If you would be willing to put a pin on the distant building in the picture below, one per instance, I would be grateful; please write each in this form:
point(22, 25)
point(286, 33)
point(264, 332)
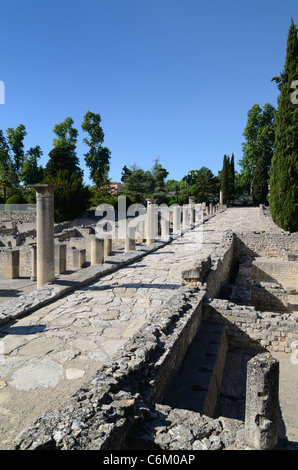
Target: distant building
point(115, 187)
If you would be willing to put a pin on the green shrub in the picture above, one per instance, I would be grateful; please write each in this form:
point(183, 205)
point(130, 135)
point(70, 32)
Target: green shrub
point(16, 199)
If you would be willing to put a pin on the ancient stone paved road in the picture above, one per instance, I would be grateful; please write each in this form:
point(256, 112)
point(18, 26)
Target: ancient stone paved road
point(52, 352)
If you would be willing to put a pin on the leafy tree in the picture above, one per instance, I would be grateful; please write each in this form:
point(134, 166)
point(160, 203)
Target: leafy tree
point(126, 172)
point(205, 187)
point(138, 184)
point(159, 174)
point(72, 199)
point(31, 173)
point(65, 147)
point(283, 199)
point(62, 158)
point(259, 134)
point(15, 138)
point(5, 164)
point(66, 133)
point(260, 182)
point(98, 157)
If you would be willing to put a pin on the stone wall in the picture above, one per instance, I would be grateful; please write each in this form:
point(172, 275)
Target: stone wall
point(268, 270)
point(248, 328)
point(265, 244)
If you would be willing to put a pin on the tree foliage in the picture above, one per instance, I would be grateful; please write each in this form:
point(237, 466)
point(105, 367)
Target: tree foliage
point(72, 199)
point(31, 172)
point(259, 136)
point(98, 157)
point(283, 200)
point(260, 182)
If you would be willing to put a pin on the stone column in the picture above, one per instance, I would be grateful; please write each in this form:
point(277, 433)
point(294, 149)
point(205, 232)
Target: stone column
point(78, 257)
point(185, 215)
point(12, 266)
point(45, 269)
point(261, 408)
point(192, 210)
point(33, 263)
point(151, 222)
point(220, 200)
point(130, 240)
point(107, 246)
point(97, 251)
point(164, 223)
point(60, 258)
point(140, 230)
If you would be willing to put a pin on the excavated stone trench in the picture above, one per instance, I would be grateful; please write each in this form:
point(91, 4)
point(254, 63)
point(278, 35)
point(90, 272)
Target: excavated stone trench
point(212, 377)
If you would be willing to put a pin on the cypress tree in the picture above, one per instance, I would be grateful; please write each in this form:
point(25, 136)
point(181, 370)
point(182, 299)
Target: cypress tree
point(260, 182)
point(224, 180)
point(232, 177)
point(283, 200)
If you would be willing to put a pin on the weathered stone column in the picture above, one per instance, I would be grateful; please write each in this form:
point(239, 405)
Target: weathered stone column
point(185, 215)
point(164, 222)
point(33, 263)
point(261, 409)
point(107, 246)
point(151, 222)
point(45, 269)
point(60, 258)
point(12, 265)
point(140, 230)
point(97, 251)
point(176, 219)
point(192, 210)
point(130, 241)
point(78, 257)
point(220, 200)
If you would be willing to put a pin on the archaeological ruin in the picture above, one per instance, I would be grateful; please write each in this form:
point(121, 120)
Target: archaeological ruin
point(179, 342)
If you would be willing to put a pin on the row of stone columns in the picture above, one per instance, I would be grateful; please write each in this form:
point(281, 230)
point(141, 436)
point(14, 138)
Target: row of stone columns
point(48, 259)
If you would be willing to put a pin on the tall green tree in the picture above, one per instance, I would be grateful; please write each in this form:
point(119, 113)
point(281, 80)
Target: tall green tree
point(283, 200)
point(5, 164)
point(31, 172)
point(225, 179)
point(260, 182)
point(72, 199)
point(159, 175)
point(98, 157)
point(66, 138)
point(259, 136)
point(232, 177)
point(205, 187)
point(15, 138)
point(62, 158)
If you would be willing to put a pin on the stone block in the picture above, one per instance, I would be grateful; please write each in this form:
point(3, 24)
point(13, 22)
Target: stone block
point(12, 266)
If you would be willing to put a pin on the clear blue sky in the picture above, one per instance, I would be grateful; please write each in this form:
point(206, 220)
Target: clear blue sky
point(172, 79)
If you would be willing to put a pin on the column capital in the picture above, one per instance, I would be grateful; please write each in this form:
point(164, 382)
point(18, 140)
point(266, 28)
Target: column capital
point(43, 188)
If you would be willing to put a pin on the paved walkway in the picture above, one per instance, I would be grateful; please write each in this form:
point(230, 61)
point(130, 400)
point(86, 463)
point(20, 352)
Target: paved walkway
point(48, 354)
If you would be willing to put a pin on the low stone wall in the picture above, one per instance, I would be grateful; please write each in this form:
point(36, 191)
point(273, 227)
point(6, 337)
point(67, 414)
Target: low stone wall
point(281, 271)
point(269, 297)
point(248, 328)
point(265, 244)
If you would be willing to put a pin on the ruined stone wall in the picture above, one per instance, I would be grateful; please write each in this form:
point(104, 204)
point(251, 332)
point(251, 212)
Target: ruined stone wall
point(248, 328)
point(265, 244)
point(283, 272)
